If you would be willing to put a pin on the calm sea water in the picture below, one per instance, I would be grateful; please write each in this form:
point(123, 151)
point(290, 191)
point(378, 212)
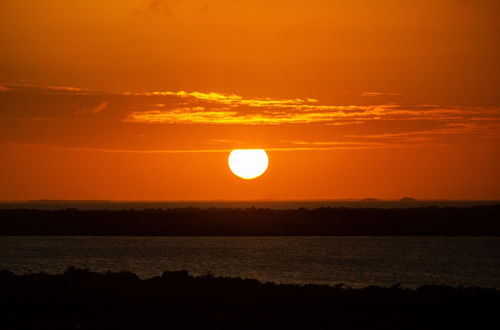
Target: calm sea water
point(354, 261)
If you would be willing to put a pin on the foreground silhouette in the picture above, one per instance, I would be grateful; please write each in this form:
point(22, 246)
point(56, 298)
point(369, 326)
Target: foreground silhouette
point(478, 220)
point(80, 299)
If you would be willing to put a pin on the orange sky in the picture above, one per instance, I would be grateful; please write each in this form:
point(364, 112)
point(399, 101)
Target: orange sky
point(143, 100)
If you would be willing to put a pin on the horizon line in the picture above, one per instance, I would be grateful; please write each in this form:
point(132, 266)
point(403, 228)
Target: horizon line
point(366, 199)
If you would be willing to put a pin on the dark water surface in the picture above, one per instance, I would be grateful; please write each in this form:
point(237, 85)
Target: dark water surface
point(354, 261)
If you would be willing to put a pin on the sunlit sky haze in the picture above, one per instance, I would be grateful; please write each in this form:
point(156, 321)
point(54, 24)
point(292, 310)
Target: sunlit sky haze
point(144, 100)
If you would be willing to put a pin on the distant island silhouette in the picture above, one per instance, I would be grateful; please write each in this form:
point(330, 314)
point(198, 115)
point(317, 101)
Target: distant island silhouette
point(478, 220)
point(370, 199)
point(81, 299)
point(273, 204)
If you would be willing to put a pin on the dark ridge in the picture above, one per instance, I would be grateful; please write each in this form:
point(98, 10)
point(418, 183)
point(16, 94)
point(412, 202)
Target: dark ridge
point(446, 221)
point(80, 299)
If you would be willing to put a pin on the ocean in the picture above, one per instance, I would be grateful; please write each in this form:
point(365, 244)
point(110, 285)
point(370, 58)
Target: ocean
point(353, 261)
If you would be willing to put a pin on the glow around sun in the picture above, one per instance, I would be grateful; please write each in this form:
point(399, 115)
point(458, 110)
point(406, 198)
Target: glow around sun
point(248, 163)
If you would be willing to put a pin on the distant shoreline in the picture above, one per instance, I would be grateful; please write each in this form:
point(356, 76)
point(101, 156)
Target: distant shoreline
point(191, 221)
point(273, 204)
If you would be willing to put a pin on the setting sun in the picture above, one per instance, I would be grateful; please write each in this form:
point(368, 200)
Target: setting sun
point(248, 163)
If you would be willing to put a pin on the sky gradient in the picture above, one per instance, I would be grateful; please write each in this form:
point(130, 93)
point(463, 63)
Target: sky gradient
point(144, 100)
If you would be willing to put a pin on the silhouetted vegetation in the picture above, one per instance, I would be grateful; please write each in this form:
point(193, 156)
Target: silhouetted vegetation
point(478, 220)
point(80, 299)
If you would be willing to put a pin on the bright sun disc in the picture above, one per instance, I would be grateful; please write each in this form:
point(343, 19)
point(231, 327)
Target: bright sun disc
point(248, 163)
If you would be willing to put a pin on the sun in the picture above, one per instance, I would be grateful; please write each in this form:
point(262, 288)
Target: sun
point(248, 163)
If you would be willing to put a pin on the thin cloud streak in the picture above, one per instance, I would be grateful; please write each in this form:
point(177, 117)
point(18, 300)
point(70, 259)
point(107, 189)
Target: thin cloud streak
point(222, 150)
point(373, 93)
point(222, 108)
point(423, 123)
point(182, 107)
point(107, 150)
point(234, 99)
point(307, 113)
point(42, 88)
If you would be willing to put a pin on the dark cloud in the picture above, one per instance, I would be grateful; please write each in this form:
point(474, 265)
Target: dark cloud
point(158, 7)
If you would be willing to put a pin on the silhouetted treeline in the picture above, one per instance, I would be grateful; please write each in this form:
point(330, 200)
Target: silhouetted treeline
point(80, 299)
point(479, 220)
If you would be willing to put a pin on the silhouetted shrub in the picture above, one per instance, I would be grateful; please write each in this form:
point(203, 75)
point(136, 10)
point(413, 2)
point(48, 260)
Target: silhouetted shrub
point(83, 299)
